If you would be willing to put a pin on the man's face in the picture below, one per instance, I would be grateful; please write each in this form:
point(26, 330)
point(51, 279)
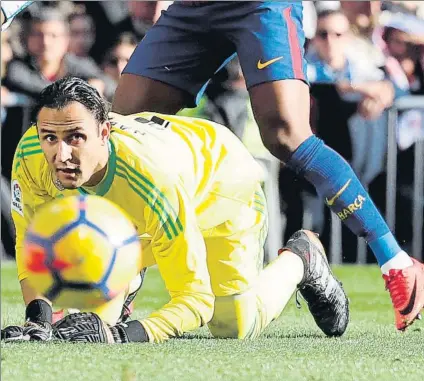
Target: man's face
point(332, 37)
point(73, 143)
point(118, 60)
point(48, 40)
point(82, 35)
point(397, 44)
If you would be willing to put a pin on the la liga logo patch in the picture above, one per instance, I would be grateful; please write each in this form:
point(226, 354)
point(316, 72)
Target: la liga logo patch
point(17, 198)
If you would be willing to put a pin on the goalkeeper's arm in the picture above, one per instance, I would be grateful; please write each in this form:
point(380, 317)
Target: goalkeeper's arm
point(25, 198)
point(180, 253)
point(182, 264)
point(22, 210)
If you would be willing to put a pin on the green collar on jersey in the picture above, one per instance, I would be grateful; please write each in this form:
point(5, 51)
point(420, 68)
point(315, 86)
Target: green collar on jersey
point(103, 187)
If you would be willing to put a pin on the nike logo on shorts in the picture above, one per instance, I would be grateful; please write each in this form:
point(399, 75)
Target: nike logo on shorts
point(267, 63)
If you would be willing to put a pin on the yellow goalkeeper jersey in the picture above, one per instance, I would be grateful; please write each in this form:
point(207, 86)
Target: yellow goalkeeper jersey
point(178, 178)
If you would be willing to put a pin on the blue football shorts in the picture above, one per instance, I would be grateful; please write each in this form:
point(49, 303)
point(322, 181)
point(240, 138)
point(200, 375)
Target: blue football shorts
point(191, 42)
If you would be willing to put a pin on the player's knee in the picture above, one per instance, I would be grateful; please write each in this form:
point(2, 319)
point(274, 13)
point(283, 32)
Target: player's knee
point(283, 125)
point(235, 317)
point(279, 135)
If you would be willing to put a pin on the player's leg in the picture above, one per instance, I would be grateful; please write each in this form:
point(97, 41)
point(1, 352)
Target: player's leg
point(136, 93)
point(277, 73)
point(172, 64)
point(235, 262)
point(248, 297)
point(246, 314)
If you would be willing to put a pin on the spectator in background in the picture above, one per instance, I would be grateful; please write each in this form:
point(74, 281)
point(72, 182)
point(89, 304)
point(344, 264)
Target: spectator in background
point(116, 17)
point(361, 14)
point(408, 72)
point(117, 57)
point(400, 46)
point(403, 45)
point(82, 31)
point(363, 18)
point(47, 59)
point(415, 8)
point(6, 56)
point(358, 80)
point(8, 98)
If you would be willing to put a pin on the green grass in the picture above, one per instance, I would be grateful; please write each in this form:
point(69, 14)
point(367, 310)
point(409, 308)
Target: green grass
point(292, 348)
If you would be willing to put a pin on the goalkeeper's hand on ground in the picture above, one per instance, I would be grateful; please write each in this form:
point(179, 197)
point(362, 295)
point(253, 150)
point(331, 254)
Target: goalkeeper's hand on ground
point(37, 327)
point(87, 327)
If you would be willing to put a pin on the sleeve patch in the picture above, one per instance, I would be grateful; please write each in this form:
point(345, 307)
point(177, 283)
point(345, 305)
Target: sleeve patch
point(17, 198)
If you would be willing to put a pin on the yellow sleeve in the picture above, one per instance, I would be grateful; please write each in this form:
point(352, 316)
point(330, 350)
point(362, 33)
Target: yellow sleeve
point(26, 196)
point(179, 250)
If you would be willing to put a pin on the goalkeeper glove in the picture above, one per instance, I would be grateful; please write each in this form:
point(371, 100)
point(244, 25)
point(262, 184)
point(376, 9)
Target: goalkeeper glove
point(87, 327)
point(37, 327)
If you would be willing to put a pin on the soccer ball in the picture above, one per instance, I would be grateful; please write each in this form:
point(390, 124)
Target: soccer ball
point(81, 251)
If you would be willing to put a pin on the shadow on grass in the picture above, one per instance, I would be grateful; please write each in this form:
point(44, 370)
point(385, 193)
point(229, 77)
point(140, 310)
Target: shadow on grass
point(196, 336)
point(270, 335)
point(297, 335)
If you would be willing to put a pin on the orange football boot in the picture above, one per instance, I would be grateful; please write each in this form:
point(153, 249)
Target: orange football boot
point(406, 288)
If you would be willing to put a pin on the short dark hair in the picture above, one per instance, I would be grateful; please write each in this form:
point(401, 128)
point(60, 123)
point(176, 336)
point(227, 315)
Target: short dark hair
point(126, 38)
point(80, 14)
point(71, 89)
point(388, 32)
point(46, 14)
point(329, 12)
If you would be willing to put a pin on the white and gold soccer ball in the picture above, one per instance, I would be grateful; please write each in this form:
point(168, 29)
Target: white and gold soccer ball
point(81, 251)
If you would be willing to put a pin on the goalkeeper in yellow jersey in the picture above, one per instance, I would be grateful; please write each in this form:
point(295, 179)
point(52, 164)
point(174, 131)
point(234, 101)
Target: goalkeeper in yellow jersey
point(194, 193)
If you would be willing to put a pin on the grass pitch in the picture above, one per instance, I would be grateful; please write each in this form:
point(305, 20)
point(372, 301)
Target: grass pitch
point(292, 348)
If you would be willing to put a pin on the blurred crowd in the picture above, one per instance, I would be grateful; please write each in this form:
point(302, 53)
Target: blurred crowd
point(362, 56)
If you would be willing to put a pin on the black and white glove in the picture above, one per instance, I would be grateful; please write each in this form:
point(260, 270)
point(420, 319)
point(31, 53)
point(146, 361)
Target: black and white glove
point(87, 327)
point(12, 333)
point(38, 316)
